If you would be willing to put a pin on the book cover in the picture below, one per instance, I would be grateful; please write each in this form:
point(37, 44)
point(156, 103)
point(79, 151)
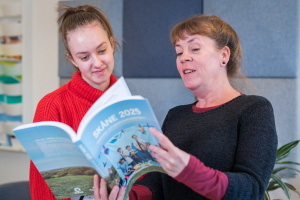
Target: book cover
point(112, 140)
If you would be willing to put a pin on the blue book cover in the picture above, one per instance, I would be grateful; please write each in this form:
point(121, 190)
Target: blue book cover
point(112, 140)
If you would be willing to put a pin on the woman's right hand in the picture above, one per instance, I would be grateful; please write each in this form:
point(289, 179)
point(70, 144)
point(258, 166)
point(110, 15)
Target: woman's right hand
point(100, 190)
point(172, 159)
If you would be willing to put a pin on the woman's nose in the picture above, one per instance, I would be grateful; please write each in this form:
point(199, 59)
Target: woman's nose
point(97, 61)
point(185, 57)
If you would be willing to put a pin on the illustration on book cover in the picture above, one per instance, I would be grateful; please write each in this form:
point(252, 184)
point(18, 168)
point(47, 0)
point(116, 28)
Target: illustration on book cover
point(128, 152)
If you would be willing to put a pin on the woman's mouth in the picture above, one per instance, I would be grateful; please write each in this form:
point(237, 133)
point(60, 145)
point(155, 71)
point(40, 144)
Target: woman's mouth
point(188, 71)
point(99, 71)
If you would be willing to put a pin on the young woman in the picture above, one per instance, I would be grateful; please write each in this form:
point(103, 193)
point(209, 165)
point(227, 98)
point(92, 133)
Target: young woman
point(90, 45)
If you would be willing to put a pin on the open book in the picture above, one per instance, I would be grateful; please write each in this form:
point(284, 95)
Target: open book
point(112, 140)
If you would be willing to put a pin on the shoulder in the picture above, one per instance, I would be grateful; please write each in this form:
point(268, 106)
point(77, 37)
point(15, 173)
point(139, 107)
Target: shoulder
point(48, 106)
point(250, 101)
point(245, 106)
point(255, 108)
point(254, 98)
point(53, 97)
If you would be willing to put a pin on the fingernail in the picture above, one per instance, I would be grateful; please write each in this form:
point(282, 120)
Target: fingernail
point(116, 187)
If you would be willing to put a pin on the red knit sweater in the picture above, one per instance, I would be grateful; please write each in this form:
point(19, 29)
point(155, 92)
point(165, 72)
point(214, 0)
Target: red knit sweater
point(67, 104)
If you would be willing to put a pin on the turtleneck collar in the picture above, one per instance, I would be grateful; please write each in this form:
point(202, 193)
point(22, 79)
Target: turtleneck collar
point(82, 89)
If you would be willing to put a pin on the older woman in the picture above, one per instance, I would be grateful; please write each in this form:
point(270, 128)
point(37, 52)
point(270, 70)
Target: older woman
point(223, 146)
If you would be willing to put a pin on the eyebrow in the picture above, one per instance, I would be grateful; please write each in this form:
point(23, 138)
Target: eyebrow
point(189, 41)
point(84, 52)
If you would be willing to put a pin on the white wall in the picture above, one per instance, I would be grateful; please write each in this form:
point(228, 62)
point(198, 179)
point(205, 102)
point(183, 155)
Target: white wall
point(40, 74)
point(44, 50)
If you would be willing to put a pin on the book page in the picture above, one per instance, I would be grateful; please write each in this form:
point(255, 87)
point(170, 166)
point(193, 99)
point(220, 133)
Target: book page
point(116, 91)
point(65, 129)
point(63, 166)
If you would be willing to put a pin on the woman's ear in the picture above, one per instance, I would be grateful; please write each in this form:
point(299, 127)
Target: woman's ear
point(112, 43)
point(225, 55)
point(71, 59)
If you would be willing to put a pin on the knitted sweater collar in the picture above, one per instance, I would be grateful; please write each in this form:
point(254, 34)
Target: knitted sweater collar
point(82, 89)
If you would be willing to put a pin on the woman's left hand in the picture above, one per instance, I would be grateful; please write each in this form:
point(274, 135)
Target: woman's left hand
point(172, 159)
point(100, 190)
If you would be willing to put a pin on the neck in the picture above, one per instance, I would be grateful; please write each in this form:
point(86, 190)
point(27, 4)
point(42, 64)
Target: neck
point(216, 95)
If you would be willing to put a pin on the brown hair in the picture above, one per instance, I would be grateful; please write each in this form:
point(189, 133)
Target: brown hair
point(79, 16)
point(215, 28)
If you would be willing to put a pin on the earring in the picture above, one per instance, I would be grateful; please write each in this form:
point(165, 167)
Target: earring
point(223, 62)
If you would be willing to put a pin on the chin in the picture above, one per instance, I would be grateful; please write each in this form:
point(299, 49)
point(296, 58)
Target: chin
point(189, 85)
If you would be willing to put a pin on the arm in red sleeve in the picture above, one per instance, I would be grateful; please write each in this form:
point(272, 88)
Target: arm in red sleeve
point(208, 182)
point(140, 192)
point(38, 187)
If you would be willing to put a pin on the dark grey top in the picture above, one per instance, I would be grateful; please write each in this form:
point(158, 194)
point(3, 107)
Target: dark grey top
point(238, 138)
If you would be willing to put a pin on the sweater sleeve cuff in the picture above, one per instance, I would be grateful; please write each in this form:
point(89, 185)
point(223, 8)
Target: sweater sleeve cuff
point(140, 192)
point(208, 182)
point(184, 175)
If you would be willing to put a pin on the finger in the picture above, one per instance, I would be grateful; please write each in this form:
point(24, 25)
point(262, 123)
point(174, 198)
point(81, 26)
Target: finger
point(165, 142)
point(163, 162)
point(103, 189)
point(121, 193)
point(96, 187)
point(171, 164)
point(163, 157)
point(159, 153)
point(114, 192)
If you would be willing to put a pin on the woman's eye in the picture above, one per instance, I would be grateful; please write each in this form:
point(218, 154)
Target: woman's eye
point(84, 57)
point(101, 51)
point(196, 49)
point(179, 54)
